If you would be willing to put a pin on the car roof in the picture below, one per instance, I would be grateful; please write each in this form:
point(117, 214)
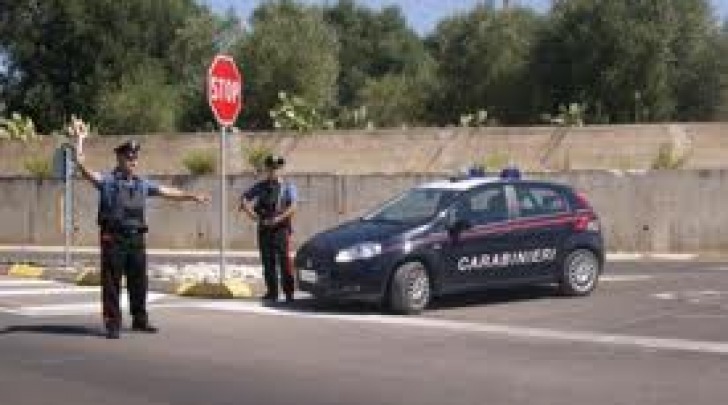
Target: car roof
point(465, 184)
point(459, 184)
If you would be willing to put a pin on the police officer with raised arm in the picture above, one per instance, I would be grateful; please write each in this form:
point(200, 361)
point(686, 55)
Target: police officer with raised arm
point(271, 203)
point(122, 224)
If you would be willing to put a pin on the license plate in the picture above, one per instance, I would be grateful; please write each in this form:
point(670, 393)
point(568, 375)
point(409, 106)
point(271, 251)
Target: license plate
point(308, 276)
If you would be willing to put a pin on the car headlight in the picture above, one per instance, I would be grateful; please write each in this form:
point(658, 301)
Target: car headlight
point(362, 251)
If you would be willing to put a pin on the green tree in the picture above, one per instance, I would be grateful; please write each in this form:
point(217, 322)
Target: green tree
point(396, 99)
point(484, 59)
point(144, 102)
point(289, 48)
point(721, 112)
point(384, 64)
point(62, 54)
point(630, 60)
point(197, 41)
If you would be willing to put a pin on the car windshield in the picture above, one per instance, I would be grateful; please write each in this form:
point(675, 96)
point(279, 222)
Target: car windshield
point(416, 205)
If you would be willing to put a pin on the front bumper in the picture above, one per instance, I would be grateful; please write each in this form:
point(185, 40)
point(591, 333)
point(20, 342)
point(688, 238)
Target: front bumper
point(361, 280)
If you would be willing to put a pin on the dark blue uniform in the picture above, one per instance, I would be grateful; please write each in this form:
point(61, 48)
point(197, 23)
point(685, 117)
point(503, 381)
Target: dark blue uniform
point(122, 224)
point(272, 198)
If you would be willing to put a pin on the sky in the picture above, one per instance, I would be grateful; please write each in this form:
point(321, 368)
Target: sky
point(423, 15)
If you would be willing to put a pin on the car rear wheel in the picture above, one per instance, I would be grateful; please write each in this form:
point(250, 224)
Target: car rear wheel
point(410, 290)
point(580, 273)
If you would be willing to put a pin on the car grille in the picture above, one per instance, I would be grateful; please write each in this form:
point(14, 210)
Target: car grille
point(316, 258)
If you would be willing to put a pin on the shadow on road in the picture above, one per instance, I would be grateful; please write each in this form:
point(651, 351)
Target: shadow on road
point(311, 305)
point(462, 300)
point(495, 297)
point(65, 330)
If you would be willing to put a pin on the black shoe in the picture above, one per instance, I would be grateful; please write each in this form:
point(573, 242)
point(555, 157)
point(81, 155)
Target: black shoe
point(112, 333)
point(143, 327)
point(289, 298)
point(270, 297)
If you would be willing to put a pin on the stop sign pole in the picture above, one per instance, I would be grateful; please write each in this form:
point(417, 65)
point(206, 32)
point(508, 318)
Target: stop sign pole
point(225, 96)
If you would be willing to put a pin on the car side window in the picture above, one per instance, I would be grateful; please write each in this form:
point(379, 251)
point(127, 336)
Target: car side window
point(484, 206)
point(534, 200)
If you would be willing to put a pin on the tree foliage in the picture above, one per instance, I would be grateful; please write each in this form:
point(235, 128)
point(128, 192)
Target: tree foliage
point(144, 102)
point(484, 63)
point(644, 60)
point(381, 56)
point(139, 66)
point(62, 54)
point(289, 48)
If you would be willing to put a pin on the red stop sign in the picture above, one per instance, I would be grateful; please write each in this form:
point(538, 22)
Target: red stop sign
point(225, 89)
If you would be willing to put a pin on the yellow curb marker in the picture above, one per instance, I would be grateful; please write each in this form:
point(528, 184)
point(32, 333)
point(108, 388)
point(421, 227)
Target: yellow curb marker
point(204, 289)
point(89, 277)
point(25, 271)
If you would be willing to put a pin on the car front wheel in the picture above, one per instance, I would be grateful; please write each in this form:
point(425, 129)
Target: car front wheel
point(410, 290)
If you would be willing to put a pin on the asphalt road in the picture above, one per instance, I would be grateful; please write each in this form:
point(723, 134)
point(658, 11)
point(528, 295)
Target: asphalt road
point(653, 333)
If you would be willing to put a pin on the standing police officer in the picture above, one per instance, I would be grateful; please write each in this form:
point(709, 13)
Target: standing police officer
point(122, 224)
point(271, 203)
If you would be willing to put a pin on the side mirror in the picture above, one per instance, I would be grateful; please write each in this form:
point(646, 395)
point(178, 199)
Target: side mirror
point(454, 223)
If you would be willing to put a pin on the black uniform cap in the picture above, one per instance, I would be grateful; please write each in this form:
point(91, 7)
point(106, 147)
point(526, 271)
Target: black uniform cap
point(274, 161)
point(130, 147)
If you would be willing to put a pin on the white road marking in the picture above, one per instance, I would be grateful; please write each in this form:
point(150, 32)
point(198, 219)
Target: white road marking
point(702, 316)
point(645, 342)
point(24, 288)
point(665, 296)
point(629, 256)
point(79, 308)
point(619, 257)
point(618, 278)
point(680, 257)
point(49, 291)
point(694, 297)
point(25, 283)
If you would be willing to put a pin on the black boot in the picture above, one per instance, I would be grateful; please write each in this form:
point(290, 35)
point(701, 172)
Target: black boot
point(270, 296)
point(113, 331)
point(143, 325)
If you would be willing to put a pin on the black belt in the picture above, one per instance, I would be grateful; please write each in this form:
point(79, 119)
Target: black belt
point(125, 231)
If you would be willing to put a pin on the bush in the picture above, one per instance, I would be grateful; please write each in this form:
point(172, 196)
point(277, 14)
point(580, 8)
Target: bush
point(200, 163)
point(18, 128)
point(255, 155)
point(495, 161)
point(354, 118)
point(668, 158)
point(571, 116)
point(39, 167)
point(476, 120)
point(293, 113)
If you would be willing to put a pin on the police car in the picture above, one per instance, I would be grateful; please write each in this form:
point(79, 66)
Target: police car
point(455, 235)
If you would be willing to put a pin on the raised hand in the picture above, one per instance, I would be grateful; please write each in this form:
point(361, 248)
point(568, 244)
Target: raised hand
point(79, 131)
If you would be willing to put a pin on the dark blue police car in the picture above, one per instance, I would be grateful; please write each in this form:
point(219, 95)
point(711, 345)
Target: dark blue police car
point(454, 235)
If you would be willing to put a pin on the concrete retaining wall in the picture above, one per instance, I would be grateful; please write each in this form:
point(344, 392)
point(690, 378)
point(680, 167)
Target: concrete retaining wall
point(675, 211)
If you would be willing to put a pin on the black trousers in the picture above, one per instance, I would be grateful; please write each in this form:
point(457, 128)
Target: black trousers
point(274, 246)
point(123, 255)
